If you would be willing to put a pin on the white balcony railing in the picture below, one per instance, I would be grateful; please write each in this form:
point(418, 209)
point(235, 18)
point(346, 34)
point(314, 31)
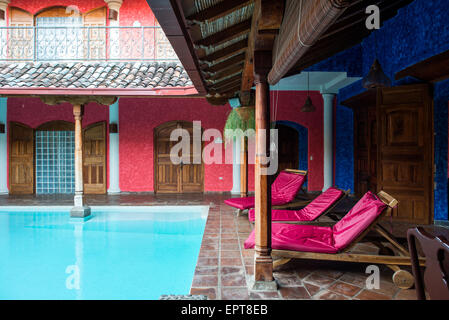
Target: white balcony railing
point(114, 44)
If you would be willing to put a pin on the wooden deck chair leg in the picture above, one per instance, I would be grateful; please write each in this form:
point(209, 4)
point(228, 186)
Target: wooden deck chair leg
point(280, 262)
point(402, 278)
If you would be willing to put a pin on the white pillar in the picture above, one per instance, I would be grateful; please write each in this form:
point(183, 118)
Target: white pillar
point(328, 140)
point(3, 148)
point(236, 146)
point(114, 158)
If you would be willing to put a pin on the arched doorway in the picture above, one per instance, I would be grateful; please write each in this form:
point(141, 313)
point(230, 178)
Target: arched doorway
point(187, 177)
point(292, 146)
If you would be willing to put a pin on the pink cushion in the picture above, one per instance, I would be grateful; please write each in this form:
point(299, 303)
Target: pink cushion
point(286, 186)
point(298, 238)
point(309, 238)
point(283, 190)
point(309, 213)
point(357, 220)
point(241, 203)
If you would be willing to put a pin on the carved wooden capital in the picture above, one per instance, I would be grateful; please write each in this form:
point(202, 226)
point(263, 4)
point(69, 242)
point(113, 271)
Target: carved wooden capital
point(78, 111)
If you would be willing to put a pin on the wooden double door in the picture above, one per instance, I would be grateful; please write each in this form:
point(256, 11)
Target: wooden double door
point(22, 156)
point(169, 177)
point(393, 141)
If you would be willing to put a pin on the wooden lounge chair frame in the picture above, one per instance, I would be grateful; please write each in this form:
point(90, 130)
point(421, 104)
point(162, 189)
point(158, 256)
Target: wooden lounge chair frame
point(329, 210)
point(293, 204)
point(401, 278)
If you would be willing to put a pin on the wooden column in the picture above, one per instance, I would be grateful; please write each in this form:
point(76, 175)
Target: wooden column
point(263, 269)
point(244, 167)
point(80, 210)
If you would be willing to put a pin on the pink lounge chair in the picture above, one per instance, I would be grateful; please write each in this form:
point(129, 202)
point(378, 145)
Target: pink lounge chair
point(283, 190)
point(290, 241)
point(318, 207)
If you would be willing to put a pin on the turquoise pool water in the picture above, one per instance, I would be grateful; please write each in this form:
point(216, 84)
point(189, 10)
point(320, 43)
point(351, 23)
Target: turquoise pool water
point(131, 253)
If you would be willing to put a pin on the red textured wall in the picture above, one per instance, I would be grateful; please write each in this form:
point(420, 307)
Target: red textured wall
point(34, 6)
point(138, 119)
point(33, 113)
point(131, 10)
point(136, 10)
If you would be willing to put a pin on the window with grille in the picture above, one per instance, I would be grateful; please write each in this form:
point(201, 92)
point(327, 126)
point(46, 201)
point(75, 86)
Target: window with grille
point(55, 159)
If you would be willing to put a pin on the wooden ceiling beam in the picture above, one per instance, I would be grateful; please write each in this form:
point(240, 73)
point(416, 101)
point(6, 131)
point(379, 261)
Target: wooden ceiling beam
point(226, 34)
point(227, 87)
point(231, 92)
point(434, 69)
point(266, 22)
point(248, 68)
point(228, 80)
point(218, 10)
point(225, 64)
point(228, 72)
point(226, 52)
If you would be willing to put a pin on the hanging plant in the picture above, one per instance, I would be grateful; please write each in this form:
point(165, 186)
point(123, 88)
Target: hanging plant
point(243, 119)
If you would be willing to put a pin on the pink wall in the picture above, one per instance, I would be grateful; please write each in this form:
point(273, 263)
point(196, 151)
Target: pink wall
point(136, 10)
point(34, 6)
point(138, 119)
point(131, 10)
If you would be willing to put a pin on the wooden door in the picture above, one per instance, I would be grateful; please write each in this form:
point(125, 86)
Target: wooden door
point(372, 148)
point(175, 178)
point(21, 159)
point(365, 149)
point(288, 148)
point(405, 157)
point(94, 159)
point(191, 174)
point(361, 147)
point(365, 141)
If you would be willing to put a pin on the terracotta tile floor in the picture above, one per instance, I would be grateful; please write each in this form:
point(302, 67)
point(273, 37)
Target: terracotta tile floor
point(224, 267)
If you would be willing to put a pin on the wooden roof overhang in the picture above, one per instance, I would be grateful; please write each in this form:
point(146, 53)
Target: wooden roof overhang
point(121, 92)
point(433, 69)
point(216, 40)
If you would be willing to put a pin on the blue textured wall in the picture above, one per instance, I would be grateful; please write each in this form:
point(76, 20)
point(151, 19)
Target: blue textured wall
point(419, 31)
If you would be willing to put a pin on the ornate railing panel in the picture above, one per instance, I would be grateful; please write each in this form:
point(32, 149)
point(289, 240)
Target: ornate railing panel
point(72, 43)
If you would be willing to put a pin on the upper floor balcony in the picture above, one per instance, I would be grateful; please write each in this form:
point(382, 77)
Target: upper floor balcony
point(75, 42)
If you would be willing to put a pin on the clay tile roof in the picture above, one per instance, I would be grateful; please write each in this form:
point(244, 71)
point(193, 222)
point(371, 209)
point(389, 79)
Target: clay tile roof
point(142, 75)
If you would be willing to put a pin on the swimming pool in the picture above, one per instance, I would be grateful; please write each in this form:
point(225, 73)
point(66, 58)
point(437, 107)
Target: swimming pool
point(120, 253)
